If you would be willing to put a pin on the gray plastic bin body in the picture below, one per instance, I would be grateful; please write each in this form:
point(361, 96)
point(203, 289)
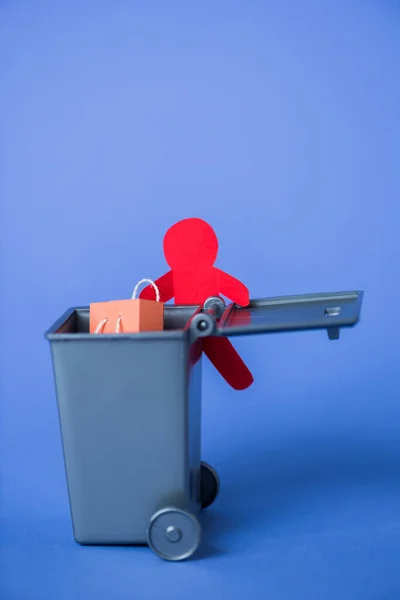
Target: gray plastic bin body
point(130, 412)
point(129, 408)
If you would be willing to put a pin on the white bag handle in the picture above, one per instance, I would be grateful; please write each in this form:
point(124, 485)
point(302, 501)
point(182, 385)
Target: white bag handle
point(151, 282)
point(101, 325)
point(104, 321)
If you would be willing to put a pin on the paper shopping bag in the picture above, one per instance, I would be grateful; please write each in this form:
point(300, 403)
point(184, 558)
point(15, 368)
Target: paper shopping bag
point(128, 316)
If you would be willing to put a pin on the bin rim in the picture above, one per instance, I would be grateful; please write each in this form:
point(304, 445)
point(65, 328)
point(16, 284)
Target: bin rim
point(52, 334)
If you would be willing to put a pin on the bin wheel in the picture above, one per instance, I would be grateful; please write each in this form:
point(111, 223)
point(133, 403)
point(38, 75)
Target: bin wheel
point(209, 485)
point(173, 534)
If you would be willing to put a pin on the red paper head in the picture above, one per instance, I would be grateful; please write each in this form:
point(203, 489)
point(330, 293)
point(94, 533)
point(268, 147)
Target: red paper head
point(190, 243)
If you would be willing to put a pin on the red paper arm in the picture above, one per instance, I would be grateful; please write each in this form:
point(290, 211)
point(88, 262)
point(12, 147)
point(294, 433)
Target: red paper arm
point(165, 284)
point(233, 289)
point(227, 361)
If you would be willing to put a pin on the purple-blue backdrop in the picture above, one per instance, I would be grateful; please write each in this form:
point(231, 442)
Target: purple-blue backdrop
point(279, 123)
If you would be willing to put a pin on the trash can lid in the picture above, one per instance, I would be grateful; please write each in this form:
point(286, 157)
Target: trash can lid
point(330, 311)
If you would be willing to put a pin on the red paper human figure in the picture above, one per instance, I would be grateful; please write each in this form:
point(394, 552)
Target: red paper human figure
point(190, 248)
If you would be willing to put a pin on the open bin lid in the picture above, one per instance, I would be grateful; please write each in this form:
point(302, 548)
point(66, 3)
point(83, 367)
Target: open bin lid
point(293, 313)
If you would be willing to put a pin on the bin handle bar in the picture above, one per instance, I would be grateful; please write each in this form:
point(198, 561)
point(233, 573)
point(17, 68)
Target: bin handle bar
point(203, 321)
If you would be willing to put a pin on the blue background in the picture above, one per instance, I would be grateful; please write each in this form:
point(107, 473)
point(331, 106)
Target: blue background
point(279, 123)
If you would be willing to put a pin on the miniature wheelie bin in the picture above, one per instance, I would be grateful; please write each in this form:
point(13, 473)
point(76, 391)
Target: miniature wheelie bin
point(130, 415)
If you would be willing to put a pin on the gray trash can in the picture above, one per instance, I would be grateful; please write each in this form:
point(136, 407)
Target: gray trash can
point(130, 415)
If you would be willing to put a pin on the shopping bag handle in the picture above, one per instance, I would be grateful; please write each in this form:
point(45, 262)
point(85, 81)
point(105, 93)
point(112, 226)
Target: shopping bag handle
point(153, 285)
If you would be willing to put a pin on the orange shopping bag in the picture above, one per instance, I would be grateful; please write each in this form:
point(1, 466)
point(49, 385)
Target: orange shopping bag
point(128, 316)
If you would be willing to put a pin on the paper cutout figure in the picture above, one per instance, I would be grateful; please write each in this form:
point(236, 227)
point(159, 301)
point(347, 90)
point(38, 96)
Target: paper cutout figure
point(191, 248)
